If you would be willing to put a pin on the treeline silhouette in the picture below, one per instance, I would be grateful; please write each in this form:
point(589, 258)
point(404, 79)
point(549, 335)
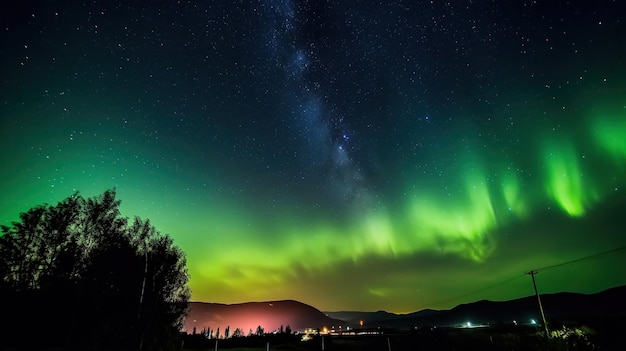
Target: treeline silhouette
point(282, 339)
point(79, 276)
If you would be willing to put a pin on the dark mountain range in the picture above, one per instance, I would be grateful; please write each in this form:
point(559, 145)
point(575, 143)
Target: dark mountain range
point(564, 307)
point(270, 316)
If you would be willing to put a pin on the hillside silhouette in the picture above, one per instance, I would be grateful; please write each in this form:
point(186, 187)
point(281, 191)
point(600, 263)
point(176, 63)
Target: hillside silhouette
point(270, 315)
point(572, 308)
point(565, 307)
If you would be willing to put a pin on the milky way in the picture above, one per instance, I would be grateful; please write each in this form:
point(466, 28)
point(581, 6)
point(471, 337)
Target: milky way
point(316, 120)
point(395, 155)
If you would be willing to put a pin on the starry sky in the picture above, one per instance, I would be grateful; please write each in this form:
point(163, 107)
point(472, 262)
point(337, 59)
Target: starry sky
point(352, 155)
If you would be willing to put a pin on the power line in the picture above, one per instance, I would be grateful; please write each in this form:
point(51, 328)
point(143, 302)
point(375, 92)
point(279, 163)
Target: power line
point(534, 271)
point(578, 260)
point(479, 290)
point(543, 315)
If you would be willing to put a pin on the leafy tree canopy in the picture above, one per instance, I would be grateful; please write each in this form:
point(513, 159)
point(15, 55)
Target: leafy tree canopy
point(79, 275)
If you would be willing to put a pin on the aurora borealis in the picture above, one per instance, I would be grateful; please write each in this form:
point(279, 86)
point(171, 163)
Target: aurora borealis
point(349, 155)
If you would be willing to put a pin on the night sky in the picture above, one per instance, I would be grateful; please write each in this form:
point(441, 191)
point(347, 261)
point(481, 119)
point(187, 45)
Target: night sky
point(352, 155)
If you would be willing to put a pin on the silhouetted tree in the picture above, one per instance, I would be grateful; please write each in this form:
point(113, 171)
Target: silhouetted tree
point(227, 332)
point(94, 280)
point(288, 329)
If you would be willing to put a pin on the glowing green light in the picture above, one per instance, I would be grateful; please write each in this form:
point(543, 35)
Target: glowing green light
point(453, 228)
point(565, 181)
point(379, 234)
point(610, 134)
point(377, 292)
point(512, 194)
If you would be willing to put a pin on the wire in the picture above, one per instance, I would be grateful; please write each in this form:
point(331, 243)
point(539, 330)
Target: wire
point(558, 265)
point(578, 260)
point(479, 290)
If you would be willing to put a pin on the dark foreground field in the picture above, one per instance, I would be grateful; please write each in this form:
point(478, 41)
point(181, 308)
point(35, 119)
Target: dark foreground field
point(451, 339)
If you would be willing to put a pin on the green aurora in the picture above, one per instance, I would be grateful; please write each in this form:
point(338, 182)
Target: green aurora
point(436, 205)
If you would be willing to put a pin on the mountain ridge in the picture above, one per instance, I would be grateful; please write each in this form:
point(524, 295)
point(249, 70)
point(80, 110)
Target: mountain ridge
point(272, 315)
point(248, 316)
point(565, 306)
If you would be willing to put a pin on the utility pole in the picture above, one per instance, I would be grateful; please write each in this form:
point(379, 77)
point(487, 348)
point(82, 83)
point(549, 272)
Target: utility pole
point(543, 316)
